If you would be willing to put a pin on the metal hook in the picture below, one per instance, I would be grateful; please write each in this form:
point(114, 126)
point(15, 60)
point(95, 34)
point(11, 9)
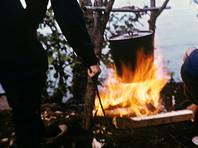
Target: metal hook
point(130, 33)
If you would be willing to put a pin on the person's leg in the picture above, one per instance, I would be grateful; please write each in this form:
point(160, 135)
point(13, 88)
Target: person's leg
point(25, 104)
point(23, 64)
point(190, 91)
point(26, 114)
point(190, 86)
point(23, 82)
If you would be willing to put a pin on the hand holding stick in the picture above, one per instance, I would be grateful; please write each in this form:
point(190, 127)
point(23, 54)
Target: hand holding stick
point(93, 70)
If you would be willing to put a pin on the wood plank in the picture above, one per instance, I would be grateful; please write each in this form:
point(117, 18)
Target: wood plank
point(152, 120)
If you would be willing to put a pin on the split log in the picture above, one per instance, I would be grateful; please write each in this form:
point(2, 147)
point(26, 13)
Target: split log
point(158, 119)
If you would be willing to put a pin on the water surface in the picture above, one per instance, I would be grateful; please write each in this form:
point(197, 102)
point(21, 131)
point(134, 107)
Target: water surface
point(176, 30)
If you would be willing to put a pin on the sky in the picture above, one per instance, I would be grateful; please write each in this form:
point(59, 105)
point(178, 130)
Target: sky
point(177, 30)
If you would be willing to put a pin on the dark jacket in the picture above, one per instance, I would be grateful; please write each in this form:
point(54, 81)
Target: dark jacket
point(16, 25)
point(191, 64)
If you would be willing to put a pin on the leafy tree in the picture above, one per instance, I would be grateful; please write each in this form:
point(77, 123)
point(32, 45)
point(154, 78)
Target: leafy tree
point(60, 58)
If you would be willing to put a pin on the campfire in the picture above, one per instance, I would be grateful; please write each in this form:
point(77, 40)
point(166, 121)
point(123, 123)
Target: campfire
point(134, 93)
point(130, 95)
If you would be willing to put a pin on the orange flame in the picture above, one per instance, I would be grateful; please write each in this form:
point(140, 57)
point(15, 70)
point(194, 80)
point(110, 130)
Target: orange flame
point(140, 97)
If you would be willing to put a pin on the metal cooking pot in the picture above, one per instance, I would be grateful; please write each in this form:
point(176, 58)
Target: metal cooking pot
point(125, 46)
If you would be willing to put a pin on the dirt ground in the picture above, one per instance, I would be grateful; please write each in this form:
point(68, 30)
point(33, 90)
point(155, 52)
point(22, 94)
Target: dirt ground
point(174, 135)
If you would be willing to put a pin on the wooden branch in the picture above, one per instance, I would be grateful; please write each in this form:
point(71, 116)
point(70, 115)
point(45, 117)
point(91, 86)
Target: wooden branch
point(97, 16)
point(105, 16)
point(162, 8)
point(90, 9)
point(153, 3)
point(155, 14)
point(88, 16)
point(89, 103)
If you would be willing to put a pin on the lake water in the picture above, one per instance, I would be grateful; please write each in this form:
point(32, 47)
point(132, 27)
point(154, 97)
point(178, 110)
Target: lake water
point(176, 30)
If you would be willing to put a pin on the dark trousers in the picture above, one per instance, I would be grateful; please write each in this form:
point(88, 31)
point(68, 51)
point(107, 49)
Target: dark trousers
point(23, 66)
point(23, 76)
point(190, 86)
point(23, 89)
point(23, 86)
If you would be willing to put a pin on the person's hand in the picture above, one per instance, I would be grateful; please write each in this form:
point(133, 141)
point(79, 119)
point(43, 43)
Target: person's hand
point(194, 108)
point(188, 52)
point(93, 70)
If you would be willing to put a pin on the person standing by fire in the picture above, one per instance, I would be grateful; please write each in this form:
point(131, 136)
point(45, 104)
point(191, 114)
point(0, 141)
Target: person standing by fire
point(189, 74)
point(23, 60)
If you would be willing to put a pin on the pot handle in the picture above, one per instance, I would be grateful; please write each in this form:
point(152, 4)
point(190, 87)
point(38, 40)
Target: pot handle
point(130, 33)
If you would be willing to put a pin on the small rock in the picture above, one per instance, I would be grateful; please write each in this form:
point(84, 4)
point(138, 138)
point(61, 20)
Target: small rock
point(52, 117)
point(72, 114)
point(67, 116)
point(4, 140)
point(96, 144)
point(58, 112)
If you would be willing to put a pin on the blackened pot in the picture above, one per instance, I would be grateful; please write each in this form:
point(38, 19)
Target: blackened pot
point(124, 48)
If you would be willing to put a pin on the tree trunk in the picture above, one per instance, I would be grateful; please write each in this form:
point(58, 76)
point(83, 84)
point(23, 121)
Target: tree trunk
point(97, 35)
point(152, 17)
point(154, 14)
point(88, 16)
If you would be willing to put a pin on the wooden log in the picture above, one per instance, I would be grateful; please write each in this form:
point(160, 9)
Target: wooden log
point(90, 9)
point(158, 119)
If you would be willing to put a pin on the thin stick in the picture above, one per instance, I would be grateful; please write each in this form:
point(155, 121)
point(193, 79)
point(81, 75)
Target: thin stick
point(98, 95)
point(90, 9)
point(97, 92)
